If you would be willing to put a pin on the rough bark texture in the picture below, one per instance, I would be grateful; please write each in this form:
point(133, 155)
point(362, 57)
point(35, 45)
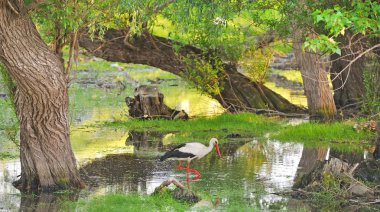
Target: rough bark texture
point(319, 96)
point(239, 92)
point(148, 102)
point(41, 99)
point(348, 85)
point(376, 153)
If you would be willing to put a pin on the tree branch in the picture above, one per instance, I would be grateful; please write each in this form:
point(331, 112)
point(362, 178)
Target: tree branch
point(12, 8)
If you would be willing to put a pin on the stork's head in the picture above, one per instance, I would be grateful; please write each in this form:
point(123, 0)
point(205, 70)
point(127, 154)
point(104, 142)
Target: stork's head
point(214, 142)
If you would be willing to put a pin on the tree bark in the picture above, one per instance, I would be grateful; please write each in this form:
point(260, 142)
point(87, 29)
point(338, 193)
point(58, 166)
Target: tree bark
point(320, 100)
point(41, 99)
point(239, 92)
point(376, 153)
point(348, 85)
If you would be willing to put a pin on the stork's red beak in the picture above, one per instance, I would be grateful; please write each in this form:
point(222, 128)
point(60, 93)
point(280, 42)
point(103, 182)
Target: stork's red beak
point(217, 150)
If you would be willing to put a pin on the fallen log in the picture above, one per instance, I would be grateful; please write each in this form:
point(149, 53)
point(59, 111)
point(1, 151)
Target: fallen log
point(239, 93)
point(180, 192)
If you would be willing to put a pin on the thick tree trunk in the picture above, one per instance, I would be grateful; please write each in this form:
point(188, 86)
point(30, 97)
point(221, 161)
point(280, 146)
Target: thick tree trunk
point(239, 92)
point(348, 85)
point(41, 99)
point(319, 96)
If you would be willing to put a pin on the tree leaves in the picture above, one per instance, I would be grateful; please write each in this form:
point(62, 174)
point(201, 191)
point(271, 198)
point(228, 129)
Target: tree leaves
point(362, 17)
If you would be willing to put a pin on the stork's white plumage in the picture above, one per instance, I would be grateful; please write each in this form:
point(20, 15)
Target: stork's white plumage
point(190, 151)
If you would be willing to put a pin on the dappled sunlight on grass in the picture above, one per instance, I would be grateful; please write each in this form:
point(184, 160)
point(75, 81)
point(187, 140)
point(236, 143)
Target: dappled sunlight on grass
point(291, 75)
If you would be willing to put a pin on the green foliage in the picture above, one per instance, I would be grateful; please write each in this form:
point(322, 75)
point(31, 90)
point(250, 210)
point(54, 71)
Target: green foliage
point(256, 63)
point(130, 202)
point(322, 43)
point(8, 119)
point(8, 155)
point(210, 25)
point(371, 98)
point(205, 74)
point(7, 81)
point(361, 17)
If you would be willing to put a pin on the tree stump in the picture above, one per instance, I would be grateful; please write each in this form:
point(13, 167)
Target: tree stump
point(148, 103)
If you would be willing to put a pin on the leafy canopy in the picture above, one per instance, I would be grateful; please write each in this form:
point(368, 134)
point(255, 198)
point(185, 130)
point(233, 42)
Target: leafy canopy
point(360, 17)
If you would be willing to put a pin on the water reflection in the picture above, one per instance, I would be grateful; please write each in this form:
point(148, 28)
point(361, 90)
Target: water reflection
point(9, 195)
point(248, 176)
point(248, 171)
point(46, 201)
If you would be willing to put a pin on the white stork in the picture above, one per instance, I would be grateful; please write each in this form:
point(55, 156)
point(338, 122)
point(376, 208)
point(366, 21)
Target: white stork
point(188, 152)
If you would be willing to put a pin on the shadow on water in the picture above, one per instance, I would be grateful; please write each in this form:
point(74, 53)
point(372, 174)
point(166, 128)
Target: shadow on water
point(46, 201)
point(250, 175)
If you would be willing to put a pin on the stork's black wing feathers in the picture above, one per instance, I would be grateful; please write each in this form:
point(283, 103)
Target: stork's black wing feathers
point(178, 146)
point(175, 153)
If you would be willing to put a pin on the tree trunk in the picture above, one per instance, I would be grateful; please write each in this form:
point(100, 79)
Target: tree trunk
point(319, 96)
point(239, 92)
point(41, 99)
point(348, 85)
point(376, 153)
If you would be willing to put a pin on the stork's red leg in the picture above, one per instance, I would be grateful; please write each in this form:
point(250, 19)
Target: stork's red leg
point(187, 174)
point(179, 165)
point(195, 179)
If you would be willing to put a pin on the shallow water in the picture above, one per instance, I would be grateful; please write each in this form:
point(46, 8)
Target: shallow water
point(249, 175)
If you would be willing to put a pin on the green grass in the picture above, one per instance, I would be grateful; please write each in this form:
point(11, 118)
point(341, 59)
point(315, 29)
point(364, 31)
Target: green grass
point(337, 132)
point(101, 65)
point(252, 125)
point(291, 75)
point(130, 202)
point(246, 124)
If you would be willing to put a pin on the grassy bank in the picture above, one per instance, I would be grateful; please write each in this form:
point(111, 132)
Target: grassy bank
point(252, 125)
point(128, 202)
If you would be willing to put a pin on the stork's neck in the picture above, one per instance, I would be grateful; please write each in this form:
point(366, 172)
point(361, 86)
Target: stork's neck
point(210, 147)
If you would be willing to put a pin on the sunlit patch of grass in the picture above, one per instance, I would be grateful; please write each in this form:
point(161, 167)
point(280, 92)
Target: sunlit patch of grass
point(130, 202)
point(246, 124)
point(291, 75)
point(336, 132)
point(142, 76)
point(100, 65)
